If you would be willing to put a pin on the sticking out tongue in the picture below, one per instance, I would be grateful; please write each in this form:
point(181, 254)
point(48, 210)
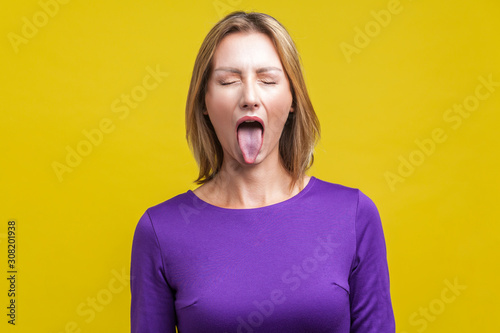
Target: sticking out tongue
point(250, 140)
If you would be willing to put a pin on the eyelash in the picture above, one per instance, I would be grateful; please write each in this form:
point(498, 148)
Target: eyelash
point(231, 82)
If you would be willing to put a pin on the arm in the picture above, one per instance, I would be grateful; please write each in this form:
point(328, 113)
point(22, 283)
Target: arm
point(371, 306)
point(152, 307)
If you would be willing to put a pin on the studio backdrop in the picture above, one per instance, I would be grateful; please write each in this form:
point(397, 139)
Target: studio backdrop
point(92, 134)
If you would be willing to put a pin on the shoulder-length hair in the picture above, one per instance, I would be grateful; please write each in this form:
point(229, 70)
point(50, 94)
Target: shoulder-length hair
point(302, 129)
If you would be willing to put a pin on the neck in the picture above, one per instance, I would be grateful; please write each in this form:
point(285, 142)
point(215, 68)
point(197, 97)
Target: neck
point(252, 186)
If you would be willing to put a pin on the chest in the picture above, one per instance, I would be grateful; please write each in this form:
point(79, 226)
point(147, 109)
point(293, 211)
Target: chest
point(253, 274)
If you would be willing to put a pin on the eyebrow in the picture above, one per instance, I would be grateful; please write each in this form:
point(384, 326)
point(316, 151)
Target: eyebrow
point(237, 71)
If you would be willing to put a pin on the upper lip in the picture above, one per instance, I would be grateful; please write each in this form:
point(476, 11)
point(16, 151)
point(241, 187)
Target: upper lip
point(250, 118)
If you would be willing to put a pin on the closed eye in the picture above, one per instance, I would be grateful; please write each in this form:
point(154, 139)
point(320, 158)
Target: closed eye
point(226, 83)
point(268, 82)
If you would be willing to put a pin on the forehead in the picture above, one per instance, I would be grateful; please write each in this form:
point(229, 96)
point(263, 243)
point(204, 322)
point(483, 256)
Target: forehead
point(245, 50)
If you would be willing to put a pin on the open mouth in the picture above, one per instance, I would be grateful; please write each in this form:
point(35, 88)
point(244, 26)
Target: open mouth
point(250, 134)
point(251, 124)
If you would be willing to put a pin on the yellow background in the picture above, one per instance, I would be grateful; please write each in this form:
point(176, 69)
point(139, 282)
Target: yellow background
point(75, 231)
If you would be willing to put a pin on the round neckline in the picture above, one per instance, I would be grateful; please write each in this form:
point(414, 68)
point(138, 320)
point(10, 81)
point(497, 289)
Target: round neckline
point(202, 203)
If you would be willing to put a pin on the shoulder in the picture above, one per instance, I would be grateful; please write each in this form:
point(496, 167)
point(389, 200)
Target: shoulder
point(171, 205)
point(330, 193)
point(168, 212)
point(324, 185)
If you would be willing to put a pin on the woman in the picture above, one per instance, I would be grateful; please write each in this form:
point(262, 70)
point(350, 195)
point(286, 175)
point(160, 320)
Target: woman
point(260, 246)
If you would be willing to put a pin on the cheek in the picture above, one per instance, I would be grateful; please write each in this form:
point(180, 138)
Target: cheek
point(218, 102)
point(280, 104)
point(219, 112)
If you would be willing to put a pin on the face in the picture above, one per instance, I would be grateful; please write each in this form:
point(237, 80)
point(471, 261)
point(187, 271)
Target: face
point(248, 79)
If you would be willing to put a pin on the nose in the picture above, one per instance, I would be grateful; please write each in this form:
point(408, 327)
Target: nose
point(249, 97)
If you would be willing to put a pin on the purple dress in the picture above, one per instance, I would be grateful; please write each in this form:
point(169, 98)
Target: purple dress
point(314, 263)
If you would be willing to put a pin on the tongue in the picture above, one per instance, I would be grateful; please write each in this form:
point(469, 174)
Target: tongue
point(250, 140)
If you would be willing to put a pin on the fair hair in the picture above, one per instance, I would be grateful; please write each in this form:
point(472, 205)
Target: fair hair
point(302, 129)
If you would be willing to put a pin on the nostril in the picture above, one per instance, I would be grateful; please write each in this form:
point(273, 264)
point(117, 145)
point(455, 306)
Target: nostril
point(247, 106)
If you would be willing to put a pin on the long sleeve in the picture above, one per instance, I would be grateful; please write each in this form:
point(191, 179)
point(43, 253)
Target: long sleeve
point(371, 306)
point(152, 306)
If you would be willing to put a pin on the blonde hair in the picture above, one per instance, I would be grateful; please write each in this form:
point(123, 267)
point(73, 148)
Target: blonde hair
point(302, 129)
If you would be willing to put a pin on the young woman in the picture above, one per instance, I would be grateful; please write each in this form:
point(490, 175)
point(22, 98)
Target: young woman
point(260, 246)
